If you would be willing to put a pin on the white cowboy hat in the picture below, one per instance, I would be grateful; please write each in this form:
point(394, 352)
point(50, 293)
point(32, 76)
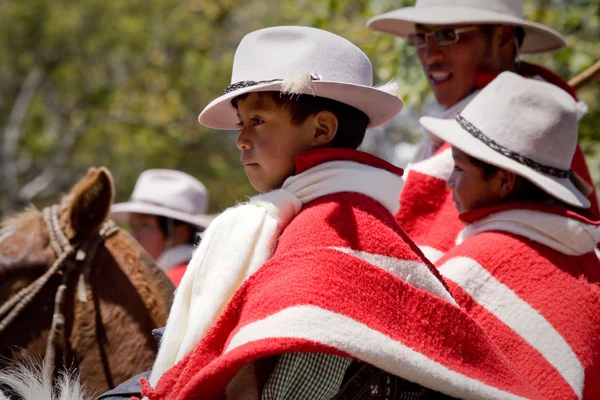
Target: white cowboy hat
point(302, 60)
point(525, 126)
point(167, 193)
point(538, 38)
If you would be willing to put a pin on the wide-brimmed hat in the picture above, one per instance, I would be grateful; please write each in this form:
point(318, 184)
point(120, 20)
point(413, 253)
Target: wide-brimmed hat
point(525, 126)
point(167, 193)
point(302, 60)
point(401, 22)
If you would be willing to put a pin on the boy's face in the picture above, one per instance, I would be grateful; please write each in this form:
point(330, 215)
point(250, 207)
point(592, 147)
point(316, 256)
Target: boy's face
point(471, 189)
point(269, 142)
point(144, 228)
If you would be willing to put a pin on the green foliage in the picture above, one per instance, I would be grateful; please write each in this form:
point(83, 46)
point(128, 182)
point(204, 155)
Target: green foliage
point(124, 80)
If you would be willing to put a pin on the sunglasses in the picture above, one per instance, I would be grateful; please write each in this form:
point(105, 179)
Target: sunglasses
point(442, 36)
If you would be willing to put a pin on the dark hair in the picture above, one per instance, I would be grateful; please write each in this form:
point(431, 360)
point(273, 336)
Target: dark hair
point(527, 190)
point(488, 169)
point(352, 123)
point(487, 30)
point(164, 223)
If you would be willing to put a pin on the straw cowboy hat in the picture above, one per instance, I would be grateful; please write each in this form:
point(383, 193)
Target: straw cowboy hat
point(525, 126)
point(302, 60)
point(167, 193)
point(538, 38)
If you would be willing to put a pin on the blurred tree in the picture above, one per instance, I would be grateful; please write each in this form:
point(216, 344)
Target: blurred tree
point(121, 83)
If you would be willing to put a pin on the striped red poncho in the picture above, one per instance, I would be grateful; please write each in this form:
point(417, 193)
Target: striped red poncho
point(529, 277)
point(427, 212)
point(346, 280)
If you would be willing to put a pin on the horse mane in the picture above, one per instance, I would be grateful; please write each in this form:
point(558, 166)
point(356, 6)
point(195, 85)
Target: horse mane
point(19, 220)
point(28, 380)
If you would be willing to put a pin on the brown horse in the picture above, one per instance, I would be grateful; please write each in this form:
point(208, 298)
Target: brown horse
point(84, 293)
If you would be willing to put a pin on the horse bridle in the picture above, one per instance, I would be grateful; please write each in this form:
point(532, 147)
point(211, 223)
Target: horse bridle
point(63, 249)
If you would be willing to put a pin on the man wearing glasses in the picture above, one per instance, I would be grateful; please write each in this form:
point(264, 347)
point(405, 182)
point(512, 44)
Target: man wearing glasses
point(462, 46)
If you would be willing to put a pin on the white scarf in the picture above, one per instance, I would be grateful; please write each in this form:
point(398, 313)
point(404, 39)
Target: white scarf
point(566, 235)
point(175, 256)
point(430, 142)
point(240, 240)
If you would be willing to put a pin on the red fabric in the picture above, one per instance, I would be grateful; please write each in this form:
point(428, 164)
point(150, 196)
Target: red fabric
point(563, 289)
point(429, 216)
point(306, 270)
point(474, 215)
point(311, 158)
point(176, 273)
point(427, 212)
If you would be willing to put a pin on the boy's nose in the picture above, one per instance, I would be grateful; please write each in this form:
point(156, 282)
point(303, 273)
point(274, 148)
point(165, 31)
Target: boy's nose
point(243, 142)
point(450, 181)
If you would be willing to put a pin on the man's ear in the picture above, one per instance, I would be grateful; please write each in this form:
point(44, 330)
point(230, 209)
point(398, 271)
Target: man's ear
point(507, 182)
point(505, 35)
point(325, 128)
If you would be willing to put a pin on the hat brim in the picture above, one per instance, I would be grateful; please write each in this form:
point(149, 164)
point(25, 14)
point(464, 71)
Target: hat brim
point(378, 105)
point(120, 213)
point(538, 38)
point(451, 132)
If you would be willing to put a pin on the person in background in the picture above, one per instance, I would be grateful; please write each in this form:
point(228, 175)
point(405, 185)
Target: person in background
point(166, 212)
point(462, 46)
point(524, 267)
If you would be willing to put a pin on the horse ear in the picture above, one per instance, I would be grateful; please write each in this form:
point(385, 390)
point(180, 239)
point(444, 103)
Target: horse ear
point(88, 204)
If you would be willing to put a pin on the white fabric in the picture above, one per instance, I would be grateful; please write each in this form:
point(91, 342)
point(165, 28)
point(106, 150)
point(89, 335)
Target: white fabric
point(401, 22)
point(175, 256)
point(566, 235)
point(531, 118)
point(431, 253)
point(430, 142)
point(308, 61)
point(415, 273)
point(241, 240)
point(167, 193)
point(438, 166)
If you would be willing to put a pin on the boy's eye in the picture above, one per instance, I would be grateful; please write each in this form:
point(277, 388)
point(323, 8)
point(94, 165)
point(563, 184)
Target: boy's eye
point(256, 121)
point(457, 168)
point(240, 125)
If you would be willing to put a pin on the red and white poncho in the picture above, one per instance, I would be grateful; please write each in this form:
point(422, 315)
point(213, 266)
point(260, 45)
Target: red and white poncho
point(345, 280)
point(427, 212)
point(529, 276)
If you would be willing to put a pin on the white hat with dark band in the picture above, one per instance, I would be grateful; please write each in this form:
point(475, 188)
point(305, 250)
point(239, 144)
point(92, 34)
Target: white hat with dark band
point(302, 60)
point(525, 126)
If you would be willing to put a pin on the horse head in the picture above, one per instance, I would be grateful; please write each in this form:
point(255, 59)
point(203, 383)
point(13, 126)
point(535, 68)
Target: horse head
point(112, 295)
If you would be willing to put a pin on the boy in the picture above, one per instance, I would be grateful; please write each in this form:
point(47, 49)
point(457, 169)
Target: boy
point(311, 290)
point(167, 210)
point(525, 266)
